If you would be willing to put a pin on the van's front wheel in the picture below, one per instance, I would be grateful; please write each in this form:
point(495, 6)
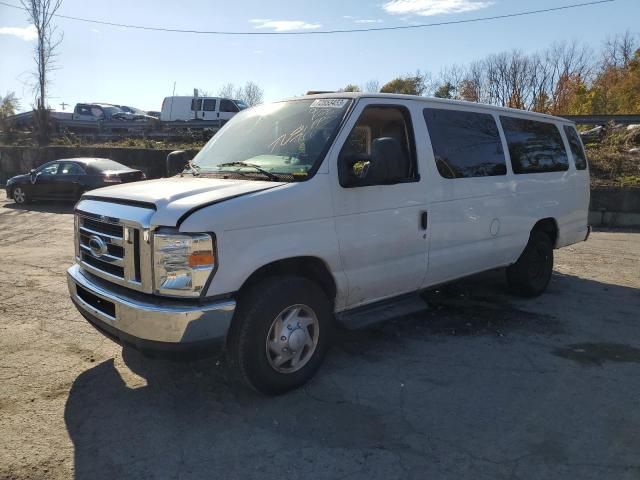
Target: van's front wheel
point(531, 274)
point(281, 333)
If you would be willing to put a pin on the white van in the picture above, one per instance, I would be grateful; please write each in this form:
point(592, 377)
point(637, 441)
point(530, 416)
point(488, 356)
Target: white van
point(202, 108)
point(326, 209)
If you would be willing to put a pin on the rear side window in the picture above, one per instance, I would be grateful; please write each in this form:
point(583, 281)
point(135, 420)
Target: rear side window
point(196, 104)
point(577, 151)
point(534, 147)
point(465, 144)
point(209, 105)
point(70, 169)
point(228, 106)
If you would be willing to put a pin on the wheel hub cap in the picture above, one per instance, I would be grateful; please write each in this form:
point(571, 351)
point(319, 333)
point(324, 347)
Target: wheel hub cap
point(296, 339)
point(292, 338)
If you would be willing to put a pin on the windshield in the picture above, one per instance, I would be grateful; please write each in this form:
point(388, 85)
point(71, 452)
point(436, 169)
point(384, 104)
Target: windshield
point(285, 138)
point(135, 110)
point(241, 105)
point(111, 110)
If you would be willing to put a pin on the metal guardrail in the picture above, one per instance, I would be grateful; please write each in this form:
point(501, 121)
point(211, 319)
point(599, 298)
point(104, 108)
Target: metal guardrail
point(603, 119)
point(102, 126)
point(193, 124)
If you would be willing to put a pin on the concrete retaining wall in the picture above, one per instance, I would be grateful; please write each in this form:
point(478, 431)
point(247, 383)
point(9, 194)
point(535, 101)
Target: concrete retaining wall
point(16, 160)
point(615, 207)
point(610, 207)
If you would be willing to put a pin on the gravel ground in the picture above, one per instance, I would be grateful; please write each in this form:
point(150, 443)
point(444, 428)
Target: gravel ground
point(481, 385)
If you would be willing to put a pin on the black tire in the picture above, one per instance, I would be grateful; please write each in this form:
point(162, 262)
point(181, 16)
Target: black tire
point(258, 307)
point(531, 274)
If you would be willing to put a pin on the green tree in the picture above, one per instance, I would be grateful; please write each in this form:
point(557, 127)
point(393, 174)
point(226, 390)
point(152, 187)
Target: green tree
point(407, 85)
point(351, 88)
point(445, 91)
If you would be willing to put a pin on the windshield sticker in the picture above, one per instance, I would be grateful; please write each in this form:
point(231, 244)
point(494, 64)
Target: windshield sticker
point(329, 103)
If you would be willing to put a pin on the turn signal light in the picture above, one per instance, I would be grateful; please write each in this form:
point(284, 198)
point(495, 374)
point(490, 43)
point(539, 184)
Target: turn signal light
point(200, 259)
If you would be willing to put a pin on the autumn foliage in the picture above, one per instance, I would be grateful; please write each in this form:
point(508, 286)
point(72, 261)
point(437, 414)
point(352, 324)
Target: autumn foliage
point(566, 79)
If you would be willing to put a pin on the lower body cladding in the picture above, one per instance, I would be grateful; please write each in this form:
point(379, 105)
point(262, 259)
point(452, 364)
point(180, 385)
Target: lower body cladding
point(148, 323)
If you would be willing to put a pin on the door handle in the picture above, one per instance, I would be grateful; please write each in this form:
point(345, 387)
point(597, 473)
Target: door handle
point(424, 220)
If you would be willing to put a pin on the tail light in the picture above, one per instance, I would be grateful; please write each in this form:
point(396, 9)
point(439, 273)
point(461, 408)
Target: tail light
point(111, 179)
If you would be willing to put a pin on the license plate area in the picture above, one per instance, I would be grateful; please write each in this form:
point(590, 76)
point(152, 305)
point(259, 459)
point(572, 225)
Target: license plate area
point(105, 307)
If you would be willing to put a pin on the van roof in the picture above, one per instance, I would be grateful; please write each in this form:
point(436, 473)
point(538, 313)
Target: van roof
point(444, 101)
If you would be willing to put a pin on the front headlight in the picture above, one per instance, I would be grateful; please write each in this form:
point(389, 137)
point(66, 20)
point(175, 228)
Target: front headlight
point(182, 263)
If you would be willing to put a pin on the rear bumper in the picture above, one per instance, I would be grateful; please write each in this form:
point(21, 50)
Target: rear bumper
point(147, 322)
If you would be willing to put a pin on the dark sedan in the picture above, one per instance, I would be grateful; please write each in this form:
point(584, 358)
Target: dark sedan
point(69, 178)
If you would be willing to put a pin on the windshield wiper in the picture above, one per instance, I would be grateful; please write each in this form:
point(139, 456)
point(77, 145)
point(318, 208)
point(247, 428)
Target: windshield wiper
point(258, 168)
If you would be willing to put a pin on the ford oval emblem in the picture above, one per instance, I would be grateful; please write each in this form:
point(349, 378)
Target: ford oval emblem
point(97, 246)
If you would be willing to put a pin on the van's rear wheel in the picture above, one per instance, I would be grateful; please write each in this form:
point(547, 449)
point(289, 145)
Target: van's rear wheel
point(531, 274)
point(281, 333)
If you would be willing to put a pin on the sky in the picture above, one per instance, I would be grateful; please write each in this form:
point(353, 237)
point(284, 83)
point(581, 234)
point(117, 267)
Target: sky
point(99, 63)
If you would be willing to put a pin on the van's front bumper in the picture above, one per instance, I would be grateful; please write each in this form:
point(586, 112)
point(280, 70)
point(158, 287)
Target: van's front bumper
point(147, 322)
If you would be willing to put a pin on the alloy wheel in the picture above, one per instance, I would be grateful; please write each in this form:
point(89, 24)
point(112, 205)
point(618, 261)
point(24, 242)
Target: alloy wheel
point(19, 196)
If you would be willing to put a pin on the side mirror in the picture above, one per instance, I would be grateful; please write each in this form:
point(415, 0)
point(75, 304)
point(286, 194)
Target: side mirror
point(32, 171)
point(176, 162)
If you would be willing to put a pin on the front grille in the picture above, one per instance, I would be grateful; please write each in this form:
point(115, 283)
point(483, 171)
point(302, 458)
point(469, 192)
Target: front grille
point(103, 227)
point(107, 267)
point(111, 248)
point(136, 254)
point(100, 304)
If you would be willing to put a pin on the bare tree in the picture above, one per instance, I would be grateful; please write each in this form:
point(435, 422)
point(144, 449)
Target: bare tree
point(228, 90)
point(41, 13)
point(8, 105)
point(448, 82)
point(619, 49)
point(252, 94)
point(566, 64)
point(372, 86)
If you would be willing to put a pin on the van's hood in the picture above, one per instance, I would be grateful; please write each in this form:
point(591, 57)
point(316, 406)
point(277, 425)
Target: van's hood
point(173, 197)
